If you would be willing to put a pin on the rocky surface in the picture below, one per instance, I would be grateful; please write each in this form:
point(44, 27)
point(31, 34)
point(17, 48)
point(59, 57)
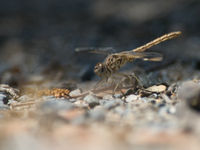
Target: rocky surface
point(156, 117)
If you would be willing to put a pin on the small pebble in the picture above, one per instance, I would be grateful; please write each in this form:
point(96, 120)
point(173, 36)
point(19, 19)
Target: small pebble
point(157, 88)
point(54, 104)
point(4, 98)
point(119, 110)
point(72, 100)
point(3, 106)
point(109, 104)
point(81, 104)
point(161, 105)
point(108, 97)
point(117, 95)
point(167, 110)
point(79, 120)
point(190, 93)
point(103, 102)
point(91, 100)
point(153, 102)
point(75, 92)
point(97, 114)
point(131, 98)
point(154, 95)
point(171, 110)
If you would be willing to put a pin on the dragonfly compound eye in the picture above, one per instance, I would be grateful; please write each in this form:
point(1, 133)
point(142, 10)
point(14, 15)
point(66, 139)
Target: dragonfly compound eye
point(99, 68)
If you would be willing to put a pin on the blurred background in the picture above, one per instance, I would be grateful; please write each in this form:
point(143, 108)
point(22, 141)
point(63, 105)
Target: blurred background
point(37, 53)
point(40, 36)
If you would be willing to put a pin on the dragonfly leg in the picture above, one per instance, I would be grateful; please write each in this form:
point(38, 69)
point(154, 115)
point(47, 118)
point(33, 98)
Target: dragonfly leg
point(97, 84)
point(115, 87)
point(138, 81)
point(100, 82)
point(130, 77)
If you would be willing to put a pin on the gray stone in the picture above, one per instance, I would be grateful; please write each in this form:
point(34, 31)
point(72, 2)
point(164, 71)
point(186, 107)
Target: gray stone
point(171, 110)
point(75, 92)
point(97, 114)
point(91, 100)
point(3, 106)
point(54, 104)
point(3, 98)
point(72, 100)
point(3, 101)
point(131, 98)
point(107, 97)
point(81, 103)
point(189, 92)
point(118, 95)
point(103, 102)
point(109, 104)
point(79, 120)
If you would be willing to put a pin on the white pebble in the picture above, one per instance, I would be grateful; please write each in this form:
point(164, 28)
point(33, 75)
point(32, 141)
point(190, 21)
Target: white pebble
point(131, 98)
point(75, 92)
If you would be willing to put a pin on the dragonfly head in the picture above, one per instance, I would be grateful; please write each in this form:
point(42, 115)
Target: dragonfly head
point(100, 69)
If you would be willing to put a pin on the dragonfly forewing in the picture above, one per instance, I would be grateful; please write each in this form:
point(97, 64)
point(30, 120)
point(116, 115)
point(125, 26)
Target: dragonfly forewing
point(97, 50)
point(146, 56)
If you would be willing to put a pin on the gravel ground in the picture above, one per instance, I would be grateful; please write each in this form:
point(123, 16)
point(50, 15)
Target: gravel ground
point(157, 117)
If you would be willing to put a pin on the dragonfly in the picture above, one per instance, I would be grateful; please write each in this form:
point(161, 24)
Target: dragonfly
point(114, 61)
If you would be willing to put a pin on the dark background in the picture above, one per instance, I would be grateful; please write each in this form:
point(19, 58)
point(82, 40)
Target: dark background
point(36, 36)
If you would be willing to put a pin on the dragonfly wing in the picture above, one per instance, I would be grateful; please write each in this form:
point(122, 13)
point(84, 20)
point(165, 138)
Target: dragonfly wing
point(146, 56)
point(97, 50)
